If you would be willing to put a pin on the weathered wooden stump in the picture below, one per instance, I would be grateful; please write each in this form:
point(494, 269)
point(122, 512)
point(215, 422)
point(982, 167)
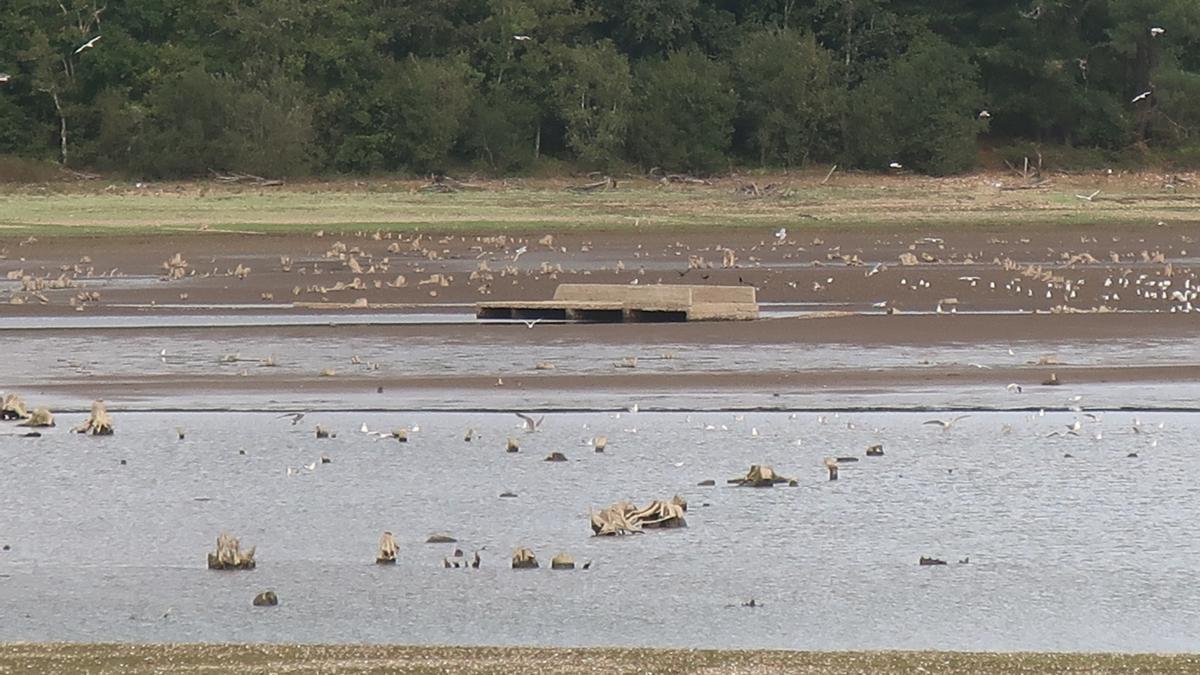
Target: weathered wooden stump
point(386, 555)
point(229, 555)
point(98, 422)
point(523, 559)
point(266, 599)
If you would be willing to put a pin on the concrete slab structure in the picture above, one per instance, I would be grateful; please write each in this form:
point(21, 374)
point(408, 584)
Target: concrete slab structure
point(620, 302)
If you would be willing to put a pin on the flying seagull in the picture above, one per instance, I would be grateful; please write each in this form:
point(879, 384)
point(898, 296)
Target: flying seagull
point(4, 78)
point(983, 114)
point(531, 424)
point(296, 417)
point(1144, 94)
point(1155, 31)
point(1088, 198)
point(946, 424)
point(521, 38)
point(895, 165)
point(89, 44)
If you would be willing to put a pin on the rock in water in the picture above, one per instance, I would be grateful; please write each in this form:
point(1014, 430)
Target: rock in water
point(266, 599)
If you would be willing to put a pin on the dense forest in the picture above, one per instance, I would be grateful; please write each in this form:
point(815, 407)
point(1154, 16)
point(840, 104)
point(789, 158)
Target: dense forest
point(169, 88)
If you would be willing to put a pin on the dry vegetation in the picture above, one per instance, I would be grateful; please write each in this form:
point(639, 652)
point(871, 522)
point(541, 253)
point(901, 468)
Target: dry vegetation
point(792, 200)
point(133, 659)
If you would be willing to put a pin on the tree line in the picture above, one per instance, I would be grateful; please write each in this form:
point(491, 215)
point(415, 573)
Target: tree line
point(175, 88)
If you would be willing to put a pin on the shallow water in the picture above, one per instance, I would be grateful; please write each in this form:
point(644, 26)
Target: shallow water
point(1094, 552)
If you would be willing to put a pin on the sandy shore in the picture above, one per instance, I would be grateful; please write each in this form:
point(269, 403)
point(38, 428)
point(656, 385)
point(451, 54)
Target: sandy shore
point(77, 658)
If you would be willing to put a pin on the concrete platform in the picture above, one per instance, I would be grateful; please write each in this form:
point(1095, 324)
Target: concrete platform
point(615, 303)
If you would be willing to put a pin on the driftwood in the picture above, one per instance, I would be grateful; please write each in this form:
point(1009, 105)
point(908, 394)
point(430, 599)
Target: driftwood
point(625, 518)
point(98, 423)
point(13, 408)
point(524, 559)
point(446, 185)
point(759, 476)
point(387, 550)
point(229, 555)
point(40, 418)
point(604, 185)
point(234, 178)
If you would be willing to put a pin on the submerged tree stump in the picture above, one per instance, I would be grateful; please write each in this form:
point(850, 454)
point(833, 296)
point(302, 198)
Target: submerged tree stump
point(13, 408)
point(523, 559)
point(266, 599)
point(600, 443)
point(875, 451)
point(513, 445)
point(759, 476)
point(229, 555)
point(39, 418)
point(98, 423)
point(625, 518)
point(562, 561)
point(387, 550)
point(832, 465)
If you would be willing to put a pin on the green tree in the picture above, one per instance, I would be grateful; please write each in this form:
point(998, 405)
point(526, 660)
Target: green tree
point(592, 88)
point(425, 106)
point(790, 96)
point(684, 117)
point(903, 114)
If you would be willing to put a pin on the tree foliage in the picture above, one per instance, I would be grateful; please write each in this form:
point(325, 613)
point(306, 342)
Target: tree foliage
point(178, 87)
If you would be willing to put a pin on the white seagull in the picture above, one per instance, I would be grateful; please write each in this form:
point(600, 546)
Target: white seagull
point(1144, 94)
point(89, 44)
point(521, 38)
point(1155, 31)
point(531, 425)
point(946, 424)
point(895, 165)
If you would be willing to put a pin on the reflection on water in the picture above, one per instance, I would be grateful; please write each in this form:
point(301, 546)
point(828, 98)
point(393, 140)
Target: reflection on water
point(1092, 552)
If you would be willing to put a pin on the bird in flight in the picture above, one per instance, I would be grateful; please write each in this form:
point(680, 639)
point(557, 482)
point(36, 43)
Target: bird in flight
point(89, 44)
point(530, 324)
point(946, 424)
point(1155, 31)
point(521, 38)
point(295, 417)
point(531, 425)
point(1144, 94)
point(1088, 198)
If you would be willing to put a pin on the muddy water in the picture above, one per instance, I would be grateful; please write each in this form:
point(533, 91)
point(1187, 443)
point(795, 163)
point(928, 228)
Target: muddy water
point(35, 357)
point(1093, 552)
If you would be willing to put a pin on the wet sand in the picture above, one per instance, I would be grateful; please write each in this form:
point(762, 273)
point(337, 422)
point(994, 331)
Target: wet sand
point(64, 658)
point(1022, 269)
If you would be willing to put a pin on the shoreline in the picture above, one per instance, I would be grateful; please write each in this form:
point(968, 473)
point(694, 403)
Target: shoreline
point(272, 658)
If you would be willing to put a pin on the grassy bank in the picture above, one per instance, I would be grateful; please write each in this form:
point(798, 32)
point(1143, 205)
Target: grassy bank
point(792, 200)
point(78, 658)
